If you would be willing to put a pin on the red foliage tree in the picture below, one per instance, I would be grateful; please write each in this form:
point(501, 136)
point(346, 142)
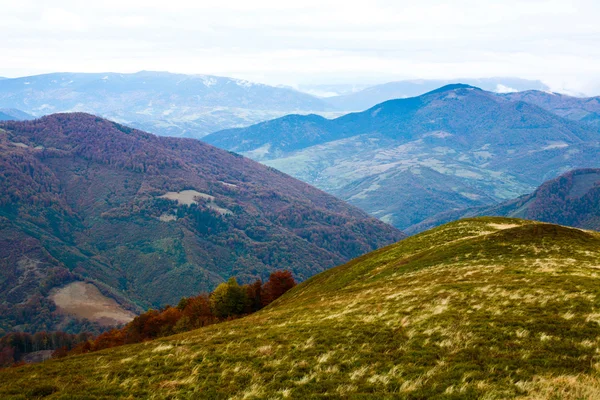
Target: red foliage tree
point(279, 282)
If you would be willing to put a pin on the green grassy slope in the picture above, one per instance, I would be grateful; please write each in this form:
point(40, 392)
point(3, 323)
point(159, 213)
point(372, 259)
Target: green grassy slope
point(480, 308)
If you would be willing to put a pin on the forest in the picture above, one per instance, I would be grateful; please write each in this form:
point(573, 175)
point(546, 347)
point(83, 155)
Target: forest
point(83, 199)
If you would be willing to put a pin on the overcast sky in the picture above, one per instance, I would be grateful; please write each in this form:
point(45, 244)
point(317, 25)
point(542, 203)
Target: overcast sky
point(308, 41)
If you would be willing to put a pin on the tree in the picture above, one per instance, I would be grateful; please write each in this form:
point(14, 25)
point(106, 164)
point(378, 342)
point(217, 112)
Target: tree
point(228, 299)
point(198, 311)
point(254, 294)
point(279, 282)
point(7, 356)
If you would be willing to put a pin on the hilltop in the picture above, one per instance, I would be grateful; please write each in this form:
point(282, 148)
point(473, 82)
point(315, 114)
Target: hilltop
point(479, 308)
point(571, 199)
point(146, 220)
point(406, 160)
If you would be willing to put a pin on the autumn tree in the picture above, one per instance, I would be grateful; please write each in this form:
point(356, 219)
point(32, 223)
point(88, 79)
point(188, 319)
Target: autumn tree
point(228, 299)
point(254, 294)
point(7, 355)
point(279, 282)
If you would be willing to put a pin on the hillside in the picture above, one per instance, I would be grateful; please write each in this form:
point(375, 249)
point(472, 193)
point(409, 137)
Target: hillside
point(572, 199)
point(586, 110)
point(483, 308)
point(370, 96)
point(406, 160)
point(149, 219)
point(160, 102)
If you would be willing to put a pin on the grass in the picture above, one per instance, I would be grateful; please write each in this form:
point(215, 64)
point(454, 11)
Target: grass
point(487, 308)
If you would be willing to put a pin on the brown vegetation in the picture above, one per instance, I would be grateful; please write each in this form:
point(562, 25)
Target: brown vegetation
point(81, 201)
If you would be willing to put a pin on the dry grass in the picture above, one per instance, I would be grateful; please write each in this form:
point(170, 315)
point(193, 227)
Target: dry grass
point(463, 311)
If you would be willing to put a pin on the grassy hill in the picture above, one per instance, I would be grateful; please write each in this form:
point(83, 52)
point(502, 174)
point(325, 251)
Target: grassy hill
point(480, 308)
point(150, 219)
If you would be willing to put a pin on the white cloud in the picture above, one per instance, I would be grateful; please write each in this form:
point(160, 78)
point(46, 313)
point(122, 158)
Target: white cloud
point(500, 88)
point(59, 19)
point(309, 41)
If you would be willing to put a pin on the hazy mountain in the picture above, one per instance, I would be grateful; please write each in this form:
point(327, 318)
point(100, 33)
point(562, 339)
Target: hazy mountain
point(571, 199)
point(165, 103)
point(332, 90)
point(370, 96)
point(586, 109)
point(149, 219)
point(408, 159)
point(477, 309)
point(12, 114)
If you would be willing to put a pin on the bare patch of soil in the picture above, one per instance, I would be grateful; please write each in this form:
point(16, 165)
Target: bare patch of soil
point(84, 300)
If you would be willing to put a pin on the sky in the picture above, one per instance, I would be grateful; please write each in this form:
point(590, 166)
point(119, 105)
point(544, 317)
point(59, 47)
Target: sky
point(309, 41)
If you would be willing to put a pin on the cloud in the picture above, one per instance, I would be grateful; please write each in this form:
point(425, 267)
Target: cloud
point(500, 88)
point(310, 41)
point(59, 20)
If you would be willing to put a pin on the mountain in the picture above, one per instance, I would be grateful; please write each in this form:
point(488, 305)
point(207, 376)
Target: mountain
point(165, 103)
point(367, 98)
point(406, 160)
point(146, 220)
point(12, 114)
point(332, 89)
point(586, 110)
point(485, 308)
point(572, 199)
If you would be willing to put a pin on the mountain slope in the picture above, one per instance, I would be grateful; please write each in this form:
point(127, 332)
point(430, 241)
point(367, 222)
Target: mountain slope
point(12, 114)
point(485, 308)
point(586, 110)
point(150, 219)
point(572, 199)
point(466, 146)
point(368, 97)
point(165, 103)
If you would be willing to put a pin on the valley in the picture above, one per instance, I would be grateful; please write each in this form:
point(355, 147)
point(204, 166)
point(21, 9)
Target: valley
point(406, 160)
point(571, 199)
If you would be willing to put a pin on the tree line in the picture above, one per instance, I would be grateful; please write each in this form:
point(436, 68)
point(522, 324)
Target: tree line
point(228, 301)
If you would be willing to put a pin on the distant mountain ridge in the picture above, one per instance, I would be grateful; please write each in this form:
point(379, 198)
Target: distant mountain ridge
point(406, 160)
point(149, 219)
point(572, 199)
point(8, 114)
point(370, 96)
point(165, 103)
point(583, 109)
